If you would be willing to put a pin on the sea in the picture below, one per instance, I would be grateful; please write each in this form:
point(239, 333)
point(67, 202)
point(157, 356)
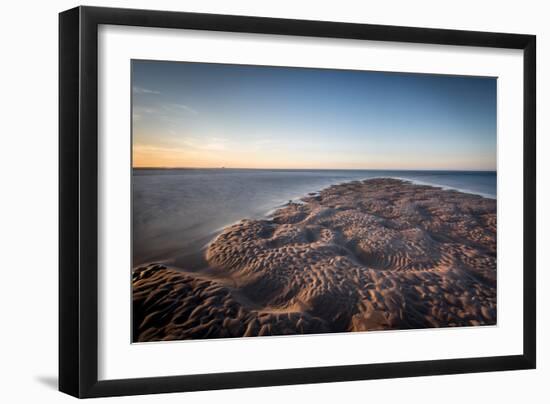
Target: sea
point(177, 212)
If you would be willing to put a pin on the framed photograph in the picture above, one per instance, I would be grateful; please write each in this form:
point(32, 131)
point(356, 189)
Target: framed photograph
point(251, 201)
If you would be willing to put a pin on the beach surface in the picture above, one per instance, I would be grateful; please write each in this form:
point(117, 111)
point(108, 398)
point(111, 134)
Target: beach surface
point(379, 254)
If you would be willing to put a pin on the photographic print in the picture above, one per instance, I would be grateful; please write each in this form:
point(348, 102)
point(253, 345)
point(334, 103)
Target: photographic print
point(271, 201)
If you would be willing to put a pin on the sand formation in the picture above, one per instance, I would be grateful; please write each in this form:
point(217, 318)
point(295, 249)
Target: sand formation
point(373, 255)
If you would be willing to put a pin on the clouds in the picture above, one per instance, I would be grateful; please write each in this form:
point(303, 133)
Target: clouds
point(205, 143)
point(185, 108)
point(141, 90)
point(181, 150)
point(162, 104)
point(163, 115)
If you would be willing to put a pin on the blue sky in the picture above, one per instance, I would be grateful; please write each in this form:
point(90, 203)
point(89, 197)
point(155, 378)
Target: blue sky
point(216, 115)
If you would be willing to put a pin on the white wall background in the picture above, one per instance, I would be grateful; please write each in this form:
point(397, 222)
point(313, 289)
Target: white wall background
point(28, 202)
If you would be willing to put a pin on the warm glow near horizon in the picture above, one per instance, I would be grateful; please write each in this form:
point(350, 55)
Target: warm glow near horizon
point(210, 116)
point(154, 157)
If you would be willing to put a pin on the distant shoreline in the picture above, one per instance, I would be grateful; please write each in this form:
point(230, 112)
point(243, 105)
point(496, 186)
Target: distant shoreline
point(316, 169)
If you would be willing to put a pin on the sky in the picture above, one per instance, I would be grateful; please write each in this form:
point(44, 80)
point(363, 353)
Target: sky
point(236, 116)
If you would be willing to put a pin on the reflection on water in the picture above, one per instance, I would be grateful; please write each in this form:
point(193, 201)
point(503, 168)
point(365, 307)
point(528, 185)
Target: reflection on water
point(176, 212)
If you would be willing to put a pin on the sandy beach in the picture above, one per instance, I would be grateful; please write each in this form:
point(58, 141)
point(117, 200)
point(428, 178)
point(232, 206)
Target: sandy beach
point(379, 254)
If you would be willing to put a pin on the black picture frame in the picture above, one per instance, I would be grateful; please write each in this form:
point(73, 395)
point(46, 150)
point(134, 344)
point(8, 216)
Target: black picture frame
point(78, 201)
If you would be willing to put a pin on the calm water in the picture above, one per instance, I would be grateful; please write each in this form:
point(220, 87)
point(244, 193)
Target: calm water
point(177, 212)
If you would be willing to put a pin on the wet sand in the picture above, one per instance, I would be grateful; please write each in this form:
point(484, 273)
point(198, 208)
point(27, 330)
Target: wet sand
point(379, 254)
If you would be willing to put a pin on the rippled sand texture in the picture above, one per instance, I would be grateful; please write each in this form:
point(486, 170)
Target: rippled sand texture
point(374, 255)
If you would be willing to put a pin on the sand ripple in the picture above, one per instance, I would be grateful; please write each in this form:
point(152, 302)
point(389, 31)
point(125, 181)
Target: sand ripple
point(372, 255)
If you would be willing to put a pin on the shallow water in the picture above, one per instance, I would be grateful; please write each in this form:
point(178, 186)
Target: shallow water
point(176, 212)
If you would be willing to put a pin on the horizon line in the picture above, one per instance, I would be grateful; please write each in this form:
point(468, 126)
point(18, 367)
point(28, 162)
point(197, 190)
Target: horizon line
point(310, 169)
